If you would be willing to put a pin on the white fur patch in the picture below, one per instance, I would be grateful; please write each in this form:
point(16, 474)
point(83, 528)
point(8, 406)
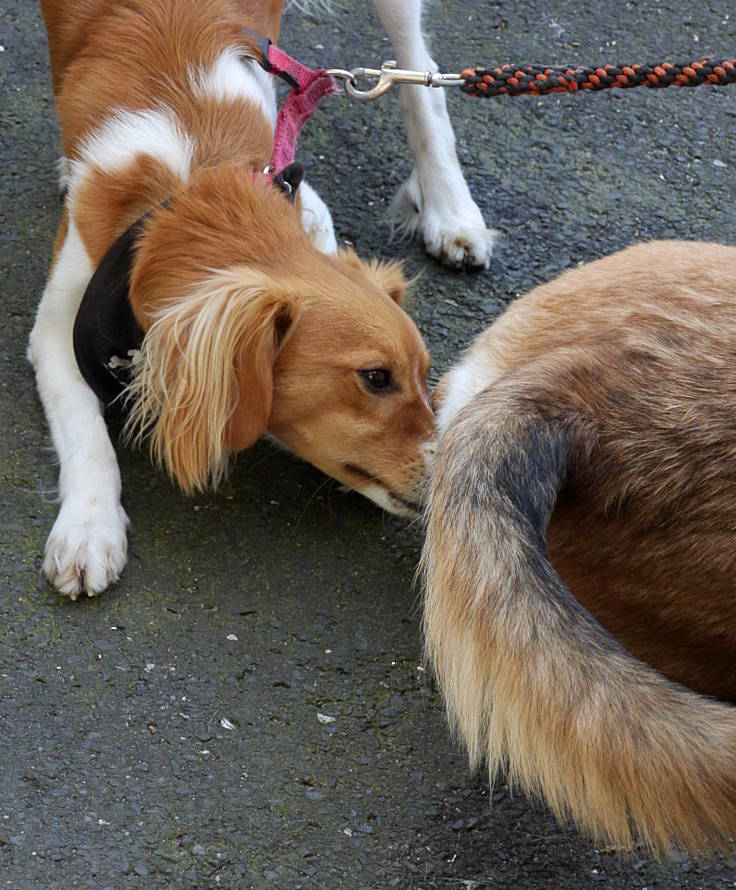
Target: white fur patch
point(471, 375)
point(86, 549)
point(233, 77)
point(379, 495)
point(126, 135)
point(62, 296)
point(62, 169)
point(316, 219)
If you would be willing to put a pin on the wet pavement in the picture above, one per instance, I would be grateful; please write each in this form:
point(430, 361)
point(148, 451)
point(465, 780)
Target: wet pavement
point(247, 707)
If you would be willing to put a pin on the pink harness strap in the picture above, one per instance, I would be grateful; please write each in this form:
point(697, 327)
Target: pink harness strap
point(309, 87)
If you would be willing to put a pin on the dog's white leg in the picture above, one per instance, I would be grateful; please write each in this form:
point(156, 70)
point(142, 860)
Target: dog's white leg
point(316, 219)
point(435, 200)
point(86, 549)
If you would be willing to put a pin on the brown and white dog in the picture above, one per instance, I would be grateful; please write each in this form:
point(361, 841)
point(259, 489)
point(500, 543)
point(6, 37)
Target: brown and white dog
point(254, 323)
point(580, 562)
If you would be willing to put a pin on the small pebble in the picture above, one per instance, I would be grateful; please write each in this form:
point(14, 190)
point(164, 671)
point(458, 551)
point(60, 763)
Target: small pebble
point(325, 718)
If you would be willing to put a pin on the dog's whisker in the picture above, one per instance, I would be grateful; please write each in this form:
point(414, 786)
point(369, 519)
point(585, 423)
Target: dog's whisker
point(326, 481)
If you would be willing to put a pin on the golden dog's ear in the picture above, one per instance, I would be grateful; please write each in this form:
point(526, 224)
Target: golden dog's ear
point(388, 276)
point(264, 333)
point(202, 387)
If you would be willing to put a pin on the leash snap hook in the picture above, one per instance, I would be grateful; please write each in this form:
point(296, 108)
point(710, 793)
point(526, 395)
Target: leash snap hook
point(387, 76)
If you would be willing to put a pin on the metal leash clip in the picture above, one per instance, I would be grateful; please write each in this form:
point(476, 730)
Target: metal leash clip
point(387, 76)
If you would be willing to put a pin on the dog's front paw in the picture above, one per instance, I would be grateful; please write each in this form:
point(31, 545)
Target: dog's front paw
point(448, 220)
point(87, 548)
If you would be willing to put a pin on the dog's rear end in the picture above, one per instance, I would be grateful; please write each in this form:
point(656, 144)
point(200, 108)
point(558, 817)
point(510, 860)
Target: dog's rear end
point(602, 404)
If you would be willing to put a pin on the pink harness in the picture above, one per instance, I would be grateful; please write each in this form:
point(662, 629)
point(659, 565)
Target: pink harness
point(309, 87)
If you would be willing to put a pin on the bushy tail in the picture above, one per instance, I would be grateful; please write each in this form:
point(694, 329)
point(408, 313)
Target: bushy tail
point(531, 681)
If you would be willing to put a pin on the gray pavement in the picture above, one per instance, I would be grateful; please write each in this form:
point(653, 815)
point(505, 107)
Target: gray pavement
point(168, 734)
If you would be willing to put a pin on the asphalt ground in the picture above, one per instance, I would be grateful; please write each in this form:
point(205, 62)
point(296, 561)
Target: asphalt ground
point(168, 734)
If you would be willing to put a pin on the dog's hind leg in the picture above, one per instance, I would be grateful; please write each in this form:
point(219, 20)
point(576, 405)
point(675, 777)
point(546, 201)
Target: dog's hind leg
point(435, 201)
point(86, 549)
point(316, 219)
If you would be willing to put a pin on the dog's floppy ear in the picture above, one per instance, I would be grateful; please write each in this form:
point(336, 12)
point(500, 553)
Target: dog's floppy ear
point(203, 387)
point(269, 322)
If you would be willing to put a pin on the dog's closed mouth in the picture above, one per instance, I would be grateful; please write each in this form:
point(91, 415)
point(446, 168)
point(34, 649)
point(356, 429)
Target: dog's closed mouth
point(409, 505)
point(359, 471)
point(364, 474)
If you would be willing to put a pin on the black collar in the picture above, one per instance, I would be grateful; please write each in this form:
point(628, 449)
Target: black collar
point(106, 332)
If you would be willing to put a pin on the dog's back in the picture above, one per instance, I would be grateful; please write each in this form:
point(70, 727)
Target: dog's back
point(67, 25)
point(609, 409)
point(68, 22)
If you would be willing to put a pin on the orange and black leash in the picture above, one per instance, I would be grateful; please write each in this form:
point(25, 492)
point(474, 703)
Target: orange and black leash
point(537, 80)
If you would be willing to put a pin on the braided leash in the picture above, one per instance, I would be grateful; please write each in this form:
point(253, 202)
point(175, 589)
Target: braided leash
point(537, 80)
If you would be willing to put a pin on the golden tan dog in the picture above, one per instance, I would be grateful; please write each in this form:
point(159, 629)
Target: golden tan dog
point(251, 321)
point(580, 562)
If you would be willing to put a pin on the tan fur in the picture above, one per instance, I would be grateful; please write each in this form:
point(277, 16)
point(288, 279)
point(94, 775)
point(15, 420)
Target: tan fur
point(134, 54)
point(611, 416)
point(248, 327)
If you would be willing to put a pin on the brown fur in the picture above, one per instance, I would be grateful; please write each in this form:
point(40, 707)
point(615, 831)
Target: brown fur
point(610, 415)
point(249, 328)
point(133, 54)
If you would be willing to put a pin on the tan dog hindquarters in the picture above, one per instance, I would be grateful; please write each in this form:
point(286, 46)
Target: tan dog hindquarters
point(580, 557)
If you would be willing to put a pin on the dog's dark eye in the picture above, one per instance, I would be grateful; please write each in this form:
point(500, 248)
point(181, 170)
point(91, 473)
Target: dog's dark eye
point(376, 379)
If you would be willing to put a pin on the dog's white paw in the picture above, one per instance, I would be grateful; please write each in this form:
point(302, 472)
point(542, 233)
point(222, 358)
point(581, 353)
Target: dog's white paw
point(450, 224)
point(87, 548)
